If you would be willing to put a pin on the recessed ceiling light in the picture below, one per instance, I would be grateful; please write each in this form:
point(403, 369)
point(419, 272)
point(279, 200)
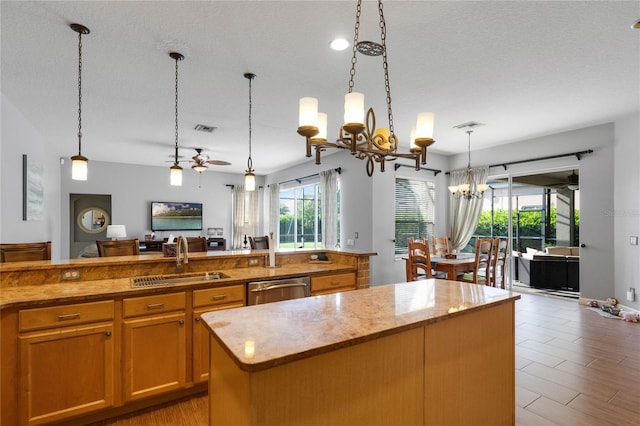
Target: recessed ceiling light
point(339, 44)
point(636, 25)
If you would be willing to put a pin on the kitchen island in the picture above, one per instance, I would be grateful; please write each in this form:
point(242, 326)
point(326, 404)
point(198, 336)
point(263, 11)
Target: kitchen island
point(428, 352)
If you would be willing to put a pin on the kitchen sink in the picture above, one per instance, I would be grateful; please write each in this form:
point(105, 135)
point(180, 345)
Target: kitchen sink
point(158, 280)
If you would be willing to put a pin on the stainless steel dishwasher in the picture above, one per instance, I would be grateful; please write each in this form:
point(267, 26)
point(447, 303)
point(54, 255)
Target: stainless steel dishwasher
point(259, 292)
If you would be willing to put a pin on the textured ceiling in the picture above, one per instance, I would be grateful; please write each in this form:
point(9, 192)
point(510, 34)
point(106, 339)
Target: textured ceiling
point(523, 68)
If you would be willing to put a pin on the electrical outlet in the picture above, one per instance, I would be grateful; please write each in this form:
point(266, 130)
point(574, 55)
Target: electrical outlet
point(633, 240)
point(70, 274)
point(254, 261)
point(351, 243)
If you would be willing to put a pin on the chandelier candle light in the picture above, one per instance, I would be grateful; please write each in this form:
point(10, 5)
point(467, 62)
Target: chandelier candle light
point(176, 170)
point(361, 137)
point(79, 162)
point(469, 189)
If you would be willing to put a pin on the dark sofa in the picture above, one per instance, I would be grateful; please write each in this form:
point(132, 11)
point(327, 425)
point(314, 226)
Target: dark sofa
point(552, 271)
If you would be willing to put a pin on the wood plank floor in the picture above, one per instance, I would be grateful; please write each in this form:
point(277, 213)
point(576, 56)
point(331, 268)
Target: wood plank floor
point(573, 367)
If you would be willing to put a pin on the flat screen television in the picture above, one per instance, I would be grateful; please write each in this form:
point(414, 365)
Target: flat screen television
point(170, 216)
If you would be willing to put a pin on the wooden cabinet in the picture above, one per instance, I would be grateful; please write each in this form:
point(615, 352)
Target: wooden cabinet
point(67, 366)
point(333, 283)
point(206, 300)
point(154, 345)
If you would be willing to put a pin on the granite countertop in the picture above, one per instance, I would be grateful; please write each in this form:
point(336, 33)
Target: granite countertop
point(263, 336)
point(75, 291)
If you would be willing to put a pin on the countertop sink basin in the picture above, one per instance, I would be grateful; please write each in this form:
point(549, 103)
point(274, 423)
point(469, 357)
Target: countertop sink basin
point(157, 280)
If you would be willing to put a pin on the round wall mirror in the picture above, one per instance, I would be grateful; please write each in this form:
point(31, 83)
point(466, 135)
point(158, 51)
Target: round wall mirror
point(93, 220)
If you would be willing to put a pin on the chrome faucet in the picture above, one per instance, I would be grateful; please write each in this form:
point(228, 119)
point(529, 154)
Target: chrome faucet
point(182, 242)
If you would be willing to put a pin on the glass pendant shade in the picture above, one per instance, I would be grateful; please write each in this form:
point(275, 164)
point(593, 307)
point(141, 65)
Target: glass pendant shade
point(482, 187)
point(79, 167)
point(354, 108)
point(176, 175)
point(249, 181)
point(308, 112)
point(424, 126)
point(322, 127)
point(412, 140)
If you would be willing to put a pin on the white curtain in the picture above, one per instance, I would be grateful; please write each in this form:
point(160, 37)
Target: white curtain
point(329, 203)
point(274, 211)
point(245, 215)
point(465, 213)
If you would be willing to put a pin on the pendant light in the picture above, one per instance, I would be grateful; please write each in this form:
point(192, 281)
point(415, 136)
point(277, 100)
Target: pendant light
point(79, 162)
point(249, 176)
point(176, 170)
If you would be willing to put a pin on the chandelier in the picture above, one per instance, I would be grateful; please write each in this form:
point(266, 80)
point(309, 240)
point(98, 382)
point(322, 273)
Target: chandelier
point(360, 137)
point(469, 189)
point(79, 162)
point(176, 170)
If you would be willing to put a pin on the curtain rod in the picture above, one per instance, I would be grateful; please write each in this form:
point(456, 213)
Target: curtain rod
point(228, 185)
point(578, 155)
point(299, 180)
point(435, 171)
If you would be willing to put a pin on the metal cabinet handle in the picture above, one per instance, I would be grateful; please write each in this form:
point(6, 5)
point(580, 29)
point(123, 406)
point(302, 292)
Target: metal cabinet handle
point(155, 305)
point(68, 316)
point(197, 319)
point(108, 333)
point(181, 322)
point(335, 282)
point(219, 297)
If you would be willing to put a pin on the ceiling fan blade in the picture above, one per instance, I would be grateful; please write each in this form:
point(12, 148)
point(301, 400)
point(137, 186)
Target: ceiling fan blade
point(218, 162)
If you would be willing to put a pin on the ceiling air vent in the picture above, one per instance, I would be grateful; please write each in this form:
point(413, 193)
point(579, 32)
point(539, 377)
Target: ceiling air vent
point(204, 128)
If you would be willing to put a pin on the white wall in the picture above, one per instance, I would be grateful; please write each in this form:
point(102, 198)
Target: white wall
point(596, 192)
point(132, 188)
point(626, 209)
point(20, 137)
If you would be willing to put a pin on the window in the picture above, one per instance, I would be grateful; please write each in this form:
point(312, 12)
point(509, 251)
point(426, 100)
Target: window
point(415, 209)
point(301, 217)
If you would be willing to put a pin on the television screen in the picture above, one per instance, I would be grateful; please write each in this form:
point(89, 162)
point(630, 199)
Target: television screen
point(176, 216)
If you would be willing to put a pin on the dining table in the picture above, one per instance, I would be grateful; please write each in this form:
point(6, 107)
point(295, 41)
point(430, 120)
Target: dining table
point(462, 263)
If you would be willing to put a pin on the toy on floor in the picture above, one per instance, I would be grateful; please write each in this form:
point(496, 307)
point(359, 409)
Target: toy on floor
point(610, 306)
point(630, 316)
point(593, 304)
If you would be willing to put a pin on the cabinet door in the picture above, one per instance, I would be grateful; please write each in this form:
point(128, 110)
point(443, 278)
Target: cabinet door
point(201, 342)
point(65, 372)
point(154, 355)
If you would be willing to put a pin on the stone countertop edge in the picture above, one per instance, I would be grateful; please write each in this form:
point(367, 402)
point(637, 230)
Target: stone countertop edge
point(291, 330)
point(80, 291)
point(154, 257)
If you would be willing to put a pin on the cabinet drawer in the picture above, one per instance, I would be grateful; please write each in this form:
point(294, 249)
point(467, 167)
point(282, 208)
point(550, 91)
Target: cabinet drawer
point(146, 305)
point(337, 282)
point(219, 295)
point(60, 316)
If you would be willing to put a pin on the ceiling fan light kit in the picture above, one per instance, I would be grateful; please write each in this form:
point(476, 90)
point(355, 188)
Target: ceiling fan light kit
point(360, 136)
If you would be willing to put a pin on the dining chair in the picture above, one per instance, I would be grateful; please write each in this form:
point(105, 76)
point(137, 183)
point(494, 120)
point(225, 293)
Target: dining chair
point(440, 246)
point(118, 247)
point(20, 252)
point(481, 272)
point(258, 243)
point(419, 262)
point(498, 260)
point(197, 244)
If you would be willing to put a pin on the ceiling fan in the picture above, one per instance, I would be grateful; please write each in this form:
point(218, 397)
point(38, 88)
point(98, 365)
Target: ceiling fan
point(201, 161)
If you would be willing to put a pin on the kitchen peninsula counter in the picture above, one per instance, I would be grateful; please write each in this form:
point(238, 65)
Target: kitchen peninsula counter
point(38, 282)
point(428, 352)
